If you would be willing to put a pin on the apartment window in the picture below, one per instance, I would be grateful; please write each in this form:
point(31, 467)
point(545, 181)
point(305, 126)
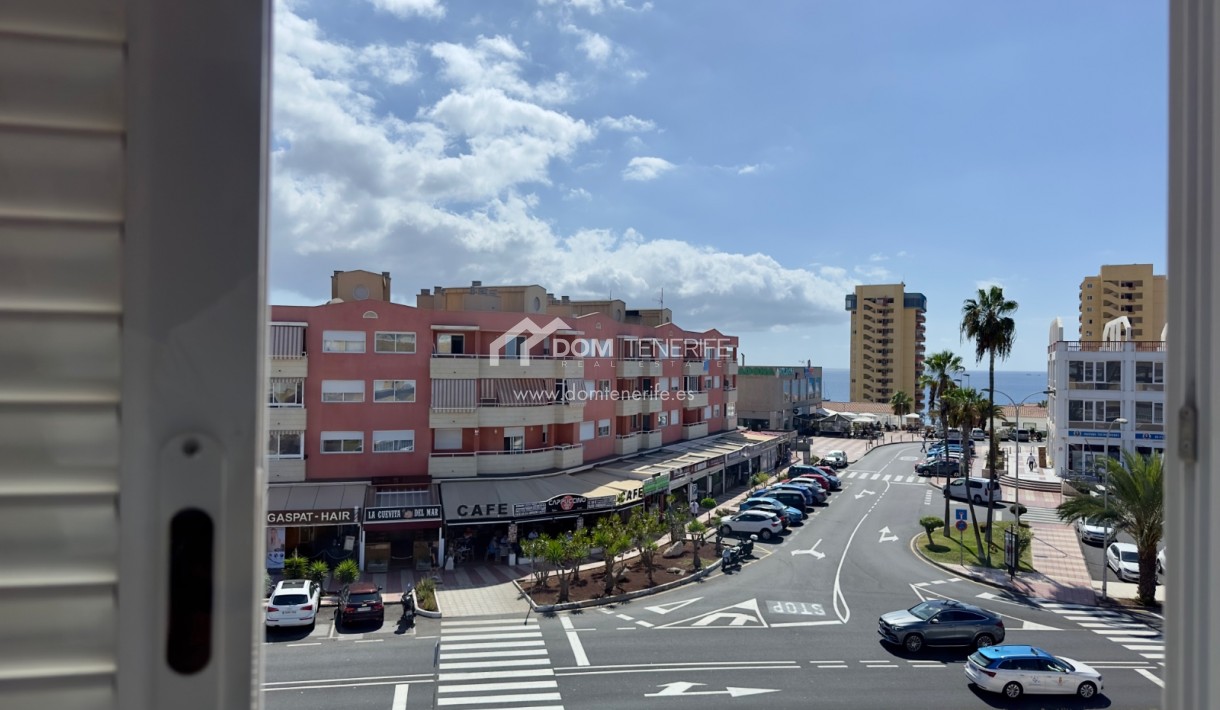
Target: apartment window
point(285, 445)
point(590, 386)
point(707, 383)
point(586, 431)
point(394, 343)
point(395, 497)
point(393, 442)
point(447, 439)
point(674, 419)
point(393, 390)
point(603, 428)
point(707, 413)
point(544, 436)
point(603, 386)
point(342, 341)
point(1150, 375)
point(514, 439)
point(342, 442)
point(1089, 309)
point(1150, 413)
point(514, 347)
point(662, 419)
point(690, 383)
point(716, 382)
point(342, 390)
point(1095, 411)
point(1089, 298)
point(715, 411)
point(287, 393)
point(730, 411)
point(1087, 374)
point(450, 344)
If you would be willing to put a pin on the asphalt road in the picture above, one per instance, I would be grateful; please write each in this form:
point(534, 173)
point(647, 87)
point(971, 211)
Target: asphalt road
point(794, 628)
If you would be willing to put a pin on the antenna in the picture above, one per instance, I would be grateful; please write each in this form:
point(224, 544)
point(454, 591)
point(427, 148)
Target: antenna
point(661, 300)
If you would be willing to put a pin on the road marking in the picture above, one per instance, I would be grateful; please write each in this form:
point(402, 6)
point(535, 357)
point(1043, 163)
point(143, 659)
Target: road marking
point(501, 637)
point(370, 640)
point(683, 688)
point(671, 606)
point(885, 535)
point(294, 645)
point(886, 477)
point(485, 675)
point(875, 476)
point(1146, 647)
point(624, 617)
point(503, 653)
point(1126, 632)
point(482, 622)
point(455, 633)
point(1150, 676)
point(509, 685)
point(400, 697)
point(783, 624)
point(391, 678)
point(507, 644)
point(735, 618)
point(645, 624)
point(494, 663)
point(1153, 655)
point(578, 649)
point(482, 699)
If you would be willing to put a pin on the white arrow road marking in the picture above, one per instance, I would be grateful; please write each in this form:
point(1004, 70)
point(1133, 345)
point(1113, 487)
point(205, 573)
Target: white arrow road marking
point(684, 688)
point(918, 593)
point(811, 551)
point(672, 606)
point(863, 493)
point(578, 649)
point(1148, 674)
point(885, 535)
point(1029, 625)
point(737, 618)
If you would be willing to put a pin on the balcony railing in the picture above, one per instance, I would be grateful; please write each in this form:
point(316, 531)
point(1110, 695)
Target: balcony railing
point(697, 430)
point(472, 463)
point(1103, 346)
point(650, 439)
point(694, 399)
point(627, 443)
point(470, 367)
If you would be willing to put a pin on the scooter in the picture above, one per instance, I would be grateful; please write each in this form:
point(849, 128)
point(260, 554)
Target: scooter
point(746, 548)
point(730, 559)
point(408, 608)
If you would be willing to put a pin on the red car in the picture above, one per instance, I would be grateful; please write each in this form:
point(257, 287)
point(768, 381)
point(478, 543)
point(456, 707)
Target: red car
point(819, 478)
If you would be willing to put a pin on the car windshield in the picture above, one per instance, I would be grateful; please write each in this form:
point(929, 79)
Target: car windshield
point(290, 599)
point(924, 611)
point(1130, 556)
point(361, 598)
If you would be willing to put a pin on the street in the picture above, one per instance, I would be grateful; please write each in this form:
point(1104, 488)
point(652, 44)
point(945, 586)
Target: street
point(795, 627)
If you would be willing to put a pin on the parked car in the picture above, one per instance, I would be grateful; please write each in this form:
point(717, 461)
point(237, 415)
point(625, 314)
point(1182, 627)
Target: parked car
point(1014, 670)
point(979, 490)
point(941, 622)
point(774, 506)
point(978, 434)
point(938, 467)
point(817, 478)
point(835, 459)
point(792, 499)
point(1160, 561)
point(360, 601)
point(1090, 530)
point(752, 522)
point(830, 481)
point(813, 492)
point(836, 483)
point(1124, 559)
point(937, 449)
point(294, 602)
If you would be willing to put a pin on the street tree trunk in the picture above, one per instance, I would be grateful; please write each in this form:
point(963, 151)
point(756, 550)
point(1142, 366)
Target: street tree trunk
point(1147, 584)
point(990, 450)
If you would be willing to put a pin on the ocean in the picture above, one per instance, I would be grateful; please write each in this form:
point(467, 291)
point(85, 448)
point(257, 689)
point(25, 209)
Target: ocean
point(836, 384)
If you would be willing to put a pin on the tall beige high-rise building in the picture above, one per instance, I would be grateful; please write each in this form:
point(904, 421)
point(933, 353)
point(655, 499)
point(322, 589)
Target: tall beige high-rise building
point(1130, 290)
point(887, 343)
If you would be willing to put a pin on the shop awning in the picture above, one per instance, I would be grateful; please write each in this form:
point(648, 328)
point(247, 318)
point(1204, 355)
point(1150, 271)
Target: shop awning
point(306, 504)
point(514, 499)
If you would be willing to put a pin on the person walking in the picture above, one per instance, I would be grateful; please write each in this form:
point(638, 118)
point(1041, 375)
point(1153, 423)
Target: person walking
point(1031, 463)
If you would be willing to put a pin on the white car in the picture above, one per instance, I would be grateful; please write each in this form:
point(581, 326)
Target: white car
point(752, 522)
point(836, 459)
point(1016, 670)
point(294, 602)
point(1090, 530)
point(1124, 559)
point(1160, 561)
point(978, 434)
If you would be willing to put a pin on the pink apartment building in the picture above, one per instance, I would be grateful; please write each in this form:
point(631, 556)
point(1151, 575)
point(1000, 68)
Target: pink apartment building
point(486, 410)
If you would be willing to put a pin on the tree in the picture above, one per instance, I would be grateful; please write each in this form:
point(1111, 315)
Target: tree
point(347, 572)
point(938, 378)
point(676, 517)
point(296, 567)
point(644, 529)
point(697, 530)
point(566, 553)
point(930, 523)
point(759, 479)
point(1136, 506)
point(987, 320)
point(535, 549)
point(961, 406)
point(902, 403)
point(611, 535)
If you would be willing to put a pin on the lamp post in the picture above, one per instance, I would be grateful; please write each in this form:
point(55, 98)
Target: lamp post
point(1016, 458)
point(1105, 549)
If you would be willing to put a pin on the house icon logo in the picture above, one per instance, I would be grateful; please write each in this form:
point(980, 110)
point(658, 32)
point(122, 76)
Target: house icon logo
point(533, 334)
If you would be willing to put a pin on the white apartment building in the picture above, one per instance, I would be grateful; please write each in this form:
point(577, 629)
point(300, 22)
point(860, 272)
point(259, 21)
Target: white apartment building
point(1096, 383)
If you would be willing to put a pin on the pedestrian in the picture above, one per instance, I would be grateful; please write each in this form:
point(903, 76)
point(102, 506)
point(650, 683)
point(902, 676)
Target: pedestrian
point(694, 508)
point(1032, 463)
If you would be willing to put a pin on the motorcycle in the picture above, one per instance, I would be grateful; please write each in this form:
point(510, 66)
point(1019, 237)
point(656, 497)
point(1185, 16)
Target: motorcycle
point(730, 559)
point(408, 608)
point(746, 548)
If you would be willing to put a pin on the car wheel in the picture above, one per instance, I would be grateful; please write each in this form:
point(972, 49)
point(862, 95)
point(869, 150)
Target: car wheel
point(1086, 690)
point(725, 530)
point(983, 641)
point(1012, 690)
point(913, 643)
point(764, 535)
point(978, 499)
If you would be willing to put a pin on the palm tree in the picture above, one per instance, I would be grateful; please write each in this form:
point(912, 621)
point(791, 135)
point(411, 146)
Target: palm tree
point(1136, 505)
point(939, 370)
point(961, 407)
point(902, 403)
point(987, 320)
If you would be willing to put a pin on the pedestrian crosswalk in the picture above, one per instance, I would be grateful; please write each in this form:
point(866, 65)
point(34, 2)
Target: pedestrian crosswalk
point(493, 663)
point(872, 476)
point(1040, 515)
point(1118, 627)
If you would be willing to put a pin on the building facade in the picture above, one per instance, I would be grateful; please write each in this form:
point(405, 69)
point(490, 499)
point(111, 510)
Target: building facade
point(1094, 384)
point(391, 423)
point(887, 343)
point(772, 398)
point(1125, 290)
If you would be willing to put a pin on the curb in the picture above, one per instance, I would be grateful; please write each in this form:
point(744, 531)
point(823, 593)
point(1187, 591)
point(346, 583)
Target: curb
point(549, 608)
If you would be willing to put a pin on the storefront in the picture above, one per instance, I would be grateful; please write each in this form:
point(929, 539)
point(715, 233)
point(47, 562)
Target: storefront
point(314, 520)
point(402, 537)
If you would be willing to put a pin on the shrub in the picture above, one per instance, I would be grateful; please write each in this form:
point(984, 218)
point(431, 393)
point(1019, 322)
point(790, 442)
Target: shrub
point(317, 571)
point(708, 503)
point(296, 567)
point(347, 572)
point(929, 523)
point(267, 584)
point(1018, 509)
point(425, 594)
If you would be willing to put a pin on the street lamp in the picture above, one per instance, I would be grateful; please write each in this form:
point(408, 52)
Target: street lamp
point(1016, 458)
point(1105, 566)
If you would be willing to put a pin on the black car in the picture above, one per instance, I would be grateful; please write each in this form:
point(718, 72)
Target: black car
point(941, 622)
point(938, 467)
point(360, 601)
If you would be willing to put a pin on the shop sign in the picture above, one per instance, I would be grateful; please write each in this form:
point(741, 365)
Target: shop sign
point(1149, 437)
point(630, 496)
point(402, 513)
point(562, 504)
point(483, 510)
point(328, 516)
point(656, 484)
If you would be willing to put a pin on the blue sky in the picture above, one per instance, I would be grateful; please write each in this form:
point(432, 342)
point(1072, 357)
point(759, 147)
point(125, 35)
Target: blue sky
point(752, 160)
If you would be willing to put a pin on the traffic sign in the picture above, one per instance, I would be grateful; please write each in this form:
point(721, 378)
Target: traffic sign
point(959, 513)
point(961, 525)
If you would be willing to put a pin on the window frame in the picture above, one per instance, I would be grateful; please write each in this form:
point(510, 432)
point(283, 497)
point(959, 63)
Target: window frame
point(340, 436)
point(397, 335)
point(346, 395)
point(409, 437)
point(394, 388)
point(603, 428)
point(330, 337)
point(300, 395)
point(278, 435)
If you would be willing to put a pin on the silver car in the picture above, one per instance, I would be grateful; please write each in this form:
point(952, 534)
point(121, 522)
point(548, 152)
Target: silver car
point(941, 622)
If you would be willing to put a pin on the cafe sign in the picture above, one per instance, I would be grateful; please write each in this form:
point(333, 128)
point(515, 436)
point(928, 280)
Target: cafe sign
point(323, 516)
point(403, 513)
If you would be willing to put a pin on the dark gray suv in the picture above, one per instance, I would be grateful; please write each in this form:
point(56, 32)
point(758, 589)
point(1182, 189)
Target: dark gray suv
point(941, 623)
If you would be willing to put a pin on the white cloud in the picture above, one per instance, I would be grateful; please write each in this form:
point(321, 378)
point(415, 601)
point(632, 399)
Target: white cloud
point(578, 193)
point(405, 9)
point(877, 257)
point(873, 273)
point(596, 47)
point(395, 65)
point(596, 7)
point(626, 124)
point(986, 284)
point(495, 62)
point(644, 169)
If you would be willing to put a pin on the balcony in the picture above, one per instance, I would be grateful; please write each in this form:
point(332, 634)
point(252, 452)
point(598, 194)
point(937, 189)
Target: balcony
point(287, 367)
point(637, 368)
point(694, 399)
point(286, 418)
point(491, 463)
point(628, 407)
point(694, 431)
point(650, 439)
point(730, 395)
point(567, 413)
point(651, 405)
point(285, 470)
point(693, 367)
point(470, 367)
point(730, 367)
point(453, 418)
point(625, 444)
